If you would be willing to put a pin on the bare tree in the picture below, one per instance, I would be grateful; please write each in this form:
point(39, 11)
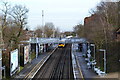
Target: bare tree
point(102, 25)
point(15, 16)
point(49, 29)
point(108, 20)
point(5, 10)
point(79, 30)
point(39, 31)
point(5, 13)
point(57, 32)
point(19, 14)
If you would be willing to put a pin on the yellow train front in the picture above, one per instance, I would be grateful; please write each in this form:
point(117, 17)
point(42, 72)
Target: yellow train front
point(61, 45)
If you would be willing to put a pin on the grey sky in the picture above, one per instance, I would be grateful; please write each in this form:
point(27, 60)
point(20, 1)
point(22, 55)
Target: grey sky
point(63, 13)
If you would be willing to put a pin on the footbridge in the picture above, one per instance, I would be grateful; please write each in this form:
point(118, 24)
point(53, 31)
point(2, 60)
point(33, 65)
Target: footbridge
point(41, 45)
point(56, 40)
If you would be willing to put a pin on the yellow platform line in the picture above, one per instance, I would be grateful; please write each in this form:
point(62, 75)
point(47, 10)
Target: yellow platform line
point(80, 70)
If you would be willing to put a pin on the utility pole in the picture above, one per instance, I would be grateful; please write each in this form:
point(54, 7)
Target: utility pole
point(43, 35)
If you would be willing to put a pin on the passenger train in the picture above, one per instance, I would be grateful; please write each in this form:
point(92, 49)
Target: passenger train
point(63, 41)
point(61, 45)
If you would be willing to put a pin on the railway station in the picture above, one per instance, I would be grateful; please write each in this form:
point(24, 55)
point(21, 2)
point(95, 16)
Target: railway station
point(52, 60)
point(60, 62)
point(59, 39)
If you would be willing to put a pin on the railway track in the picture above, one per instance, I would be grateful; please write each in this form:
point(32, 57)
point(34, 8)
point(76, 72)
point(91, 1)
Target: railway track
point(58, 66)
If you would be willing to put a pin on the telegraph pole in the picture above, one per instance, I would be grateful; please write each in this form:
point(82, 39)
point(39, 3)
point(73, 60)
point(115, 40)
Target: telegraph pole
point(43, 23)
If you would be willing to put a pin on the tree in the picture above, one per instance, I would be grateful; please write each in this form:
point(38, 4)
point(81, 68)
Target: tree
point(19, 15)
point(3, 21)
point(56, 32)
point(101, 26)
point(12, 22)
point(5, 14)
point(79, 30)
point(49, 29)
point(39, 31)
point(15, 16)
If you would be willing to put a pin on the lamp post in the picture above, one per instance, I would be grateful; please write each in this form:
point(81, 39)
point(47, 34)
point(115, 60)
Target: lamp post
point(94, 49)
point(103, 50)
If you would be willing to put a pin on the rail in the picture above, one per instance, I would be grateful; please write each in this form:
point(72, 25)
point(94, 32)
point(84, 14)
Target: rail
point(32, 73)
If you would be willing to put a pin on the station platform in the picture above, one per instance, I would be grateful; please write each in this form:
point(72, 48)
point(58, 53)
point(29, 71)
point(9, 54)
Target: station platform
point(81, 70)
point(30, 66)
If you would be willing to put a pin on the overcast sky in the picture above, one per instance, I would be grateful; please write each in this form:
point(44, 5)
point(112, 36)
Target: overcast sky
point(62, 13)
